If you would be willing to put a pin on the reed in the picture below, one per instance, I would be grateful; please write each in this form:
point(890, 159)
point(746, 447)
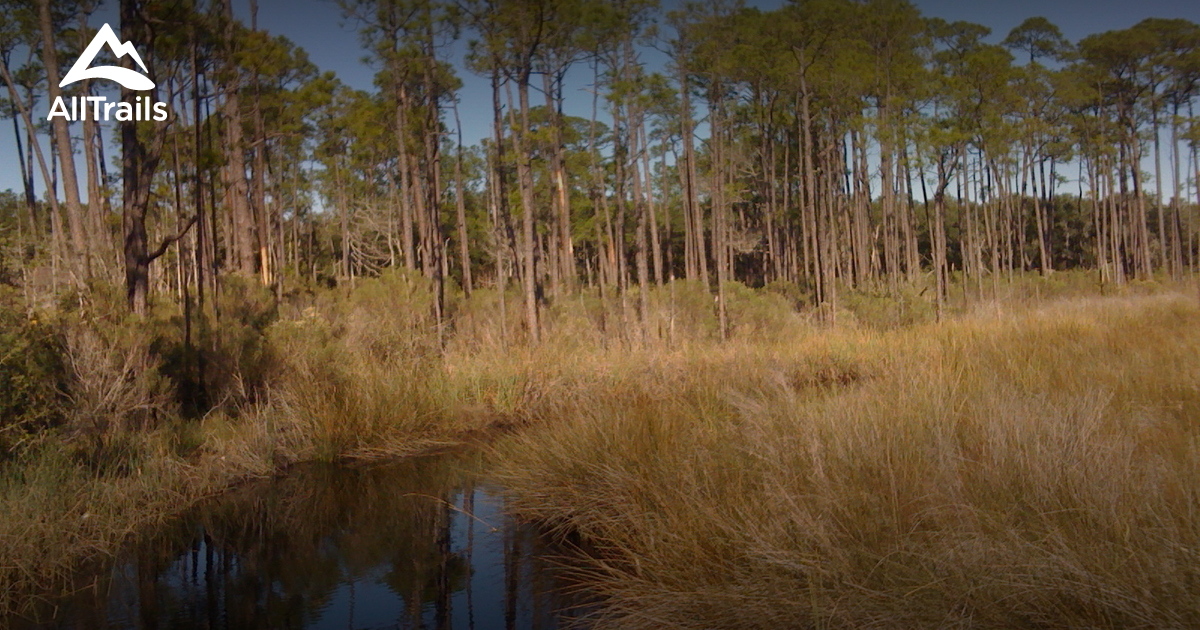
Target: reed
point(842, 475)
point(1038, 468)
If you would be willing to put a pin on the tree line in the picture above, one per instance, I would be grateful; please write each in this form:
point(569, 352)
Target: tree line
point(825, 145)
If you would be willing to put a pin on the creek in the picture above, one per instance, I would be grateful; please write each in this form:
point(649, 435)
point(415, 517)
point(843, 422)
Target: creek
point(421, 543)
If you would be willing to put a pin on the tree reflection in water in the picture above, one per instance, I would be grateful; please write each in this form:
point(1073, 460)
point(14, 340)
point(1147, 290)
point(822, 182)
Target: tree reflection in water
point(410, 545)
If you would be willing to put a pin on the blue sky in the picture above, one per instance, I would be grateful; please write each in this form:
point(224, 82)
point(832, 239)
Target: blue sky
point(332, 43)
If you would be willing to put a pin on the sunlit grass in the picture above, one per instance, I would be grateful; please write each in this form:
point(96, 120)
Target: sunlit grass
point(1032, 469)
point(798, 474)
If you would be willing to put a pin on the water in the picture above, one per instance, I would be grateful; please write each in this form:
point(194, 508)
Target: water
point(418, 544)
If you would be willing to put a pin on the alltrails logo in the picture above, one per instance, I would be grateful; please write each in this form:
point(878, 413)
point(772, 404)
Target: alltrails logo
point(98, 106)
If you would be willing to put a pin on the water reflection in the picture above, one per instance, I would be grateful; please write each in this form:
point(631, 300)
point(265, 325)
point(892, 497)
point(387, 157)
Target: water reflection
point(411, 545)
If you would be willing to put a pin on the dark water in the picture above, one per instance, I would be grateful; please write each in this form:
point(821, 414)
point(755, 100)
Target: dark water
point(420, 544)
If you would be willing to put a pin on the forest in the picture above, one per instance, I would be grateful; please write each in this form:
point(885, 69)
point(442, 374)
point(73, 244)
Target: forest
point(771, 220)
point(816, 146)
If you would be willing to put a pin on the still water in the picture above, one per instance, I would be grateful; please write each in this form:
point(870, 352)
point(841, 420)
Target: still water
point(418, 544)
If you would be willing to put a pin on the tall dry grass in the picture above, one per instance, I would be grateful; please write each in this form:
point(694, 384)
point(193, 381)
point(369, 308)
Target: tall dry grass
point(1030, 469)
point(639, 428)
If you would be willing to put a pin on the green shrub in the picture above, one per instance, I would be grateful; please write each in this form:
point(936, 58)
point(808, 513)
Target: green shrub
point(798, 295)
point(8, 276)
point(909, 305)
point(757, 314)
point(688, 310)
point(31, 374)
point(239, 361)
point(228, 361)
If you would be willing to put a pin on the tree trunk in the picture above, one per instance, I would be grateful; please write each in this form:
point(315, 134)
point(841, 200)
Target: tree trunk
point(655, 244)
point(559, 188)
point(234, 175)
point(1163, 259)
point(138, 163)
point(460, 210)
point(698, 269)
point(81, 259)
point(525, 182)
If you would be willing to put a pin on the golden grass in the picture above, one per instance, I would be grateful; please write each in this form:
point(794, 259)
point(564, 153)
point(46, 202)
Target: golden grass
point(1038, 468)
point(796, 475)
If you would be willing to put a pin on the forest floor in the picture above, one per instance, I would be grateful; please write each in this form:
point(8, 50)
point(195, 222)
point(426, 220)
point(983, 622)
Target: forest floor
point(1027, 462)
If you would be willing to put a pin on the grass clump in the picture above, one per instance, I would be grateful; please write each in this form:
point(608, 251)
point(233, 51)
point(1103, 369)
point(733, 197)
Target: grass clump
point(1031, 470)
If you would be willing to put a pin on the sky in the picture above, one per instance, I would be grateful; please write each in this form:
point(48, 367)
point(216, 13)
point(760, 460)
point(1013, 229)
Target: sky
point(332, 43)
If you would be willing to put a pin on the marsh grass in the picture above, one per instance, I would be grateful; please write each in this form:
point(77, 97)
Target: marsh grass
point(719, 480)
point(1030, 469)
point(60, 512)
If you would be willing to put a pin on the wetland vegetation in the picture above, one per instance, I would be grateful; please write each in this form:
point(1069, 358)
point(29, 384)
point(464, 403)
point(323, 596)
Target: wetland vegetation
point(1032, 462)
point(838, 315)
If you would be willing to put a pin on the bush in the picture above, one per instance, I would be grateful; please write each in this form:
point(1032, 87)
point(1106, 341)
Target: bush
point(798, 295)
point(31, 374)
point(480, 323)
point(238, 358)
point(229, 361)
point(391, 315)
point(688, 310)
point(906, 307)
point(757, 314)
point(115, 385)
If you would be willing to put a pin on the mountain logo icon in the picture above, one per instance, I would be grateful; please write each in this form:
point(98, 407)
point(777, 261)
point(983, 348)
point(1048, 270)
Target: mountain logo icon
point(131, 79)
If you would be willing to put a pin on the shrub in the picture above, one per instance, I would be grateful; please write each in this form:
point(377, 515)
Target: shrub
point(238, 358)
point(909, 305)
point(797, 295)
point(31, 374)
point(114, 385)
point(757, 314)
point(688, 311)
